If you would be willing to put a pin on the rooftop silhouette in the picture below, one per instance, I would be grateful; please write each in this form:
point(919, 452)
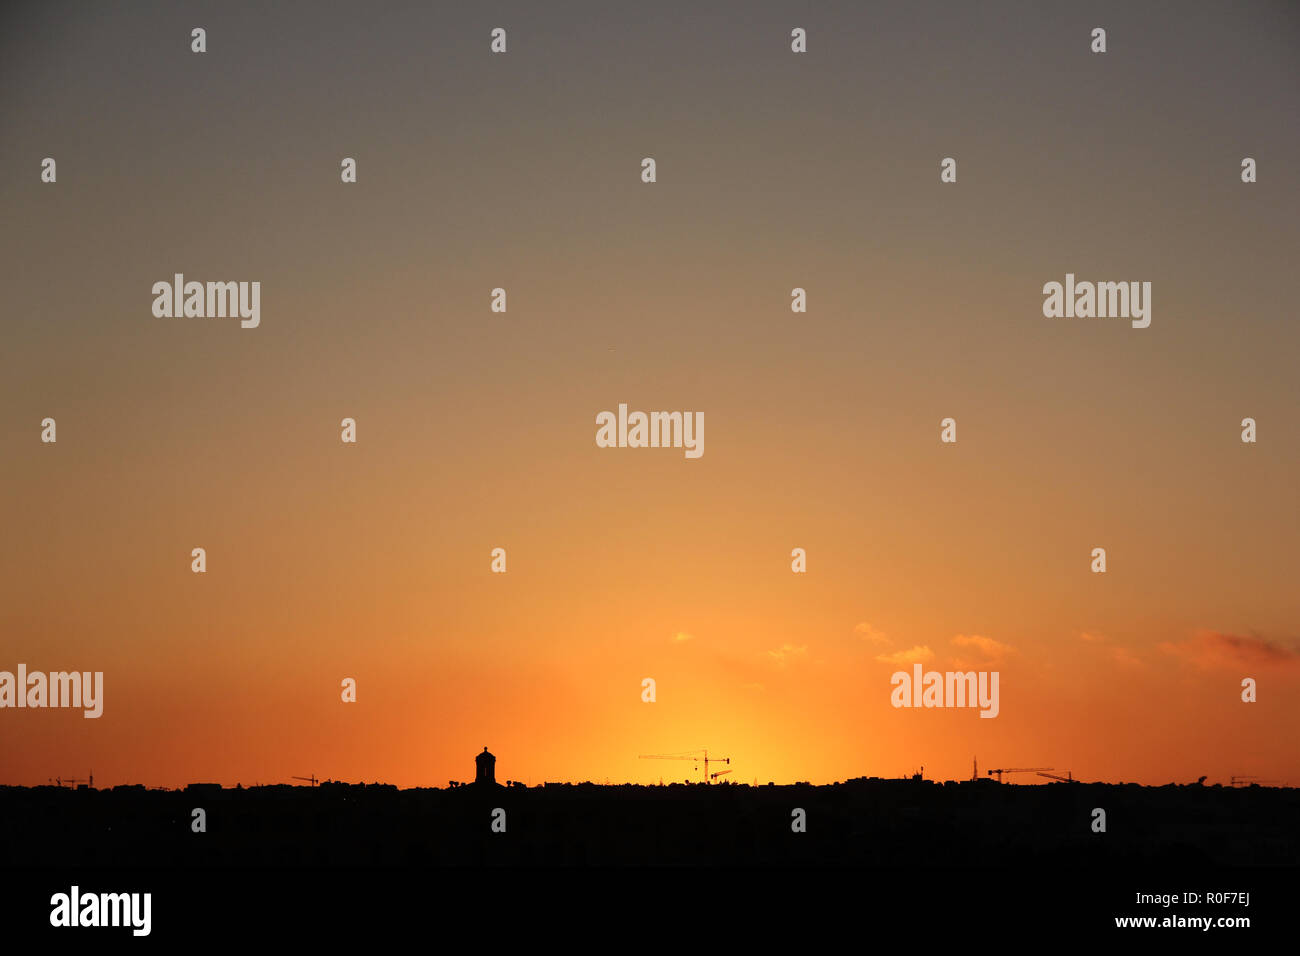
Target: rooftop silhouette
point(863, 821)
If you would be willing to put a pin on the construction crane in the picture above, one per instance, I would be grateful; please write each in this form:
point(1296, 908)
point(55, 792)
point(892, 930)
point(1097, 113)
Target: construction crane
point(1252, 782)
point(1068, 778)
point(1001, 770)
point(717, 773)
point(72, 781)
point(312, 779)
point(696, 755)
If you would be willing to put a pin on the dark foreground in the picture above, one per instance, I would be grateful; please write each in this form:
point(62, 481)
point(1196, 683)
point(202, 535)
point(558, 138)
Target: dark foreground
point(951, 859)
point(867, 822)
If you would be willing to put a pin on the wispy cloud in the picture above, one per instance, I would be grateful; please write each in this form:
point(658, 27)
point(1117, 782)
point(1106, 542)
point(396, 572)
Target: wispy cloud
point(870, 634)
point(991, 649)
point(916, 655)
point(787, 653)
point(1212, 650)
point(681, 637)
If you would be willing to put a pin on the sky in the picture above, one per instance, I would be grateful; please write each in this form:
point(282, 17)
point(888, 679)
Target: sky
point(475, 429)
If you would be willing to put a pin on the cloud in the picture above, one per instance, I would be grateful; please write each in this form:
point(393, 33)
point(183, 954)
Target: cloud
point(1092, 638)
point(787, 653)
point(1211, 650)
point(869, 633)
point(681, 637)
point(916, 655)
point(991, 649)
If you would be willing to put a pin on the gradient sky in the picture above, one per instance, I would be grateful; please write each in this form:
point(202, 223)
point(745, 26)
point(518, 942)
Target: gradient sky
point(476, 430)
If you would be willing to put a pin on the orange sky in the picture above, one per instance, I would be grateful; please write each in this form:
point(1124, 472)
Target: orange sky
point(476, 430)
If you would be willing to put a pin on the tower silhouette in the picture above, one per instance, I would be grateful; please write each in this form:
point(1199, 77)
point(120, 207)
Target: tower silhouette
point(485, 768)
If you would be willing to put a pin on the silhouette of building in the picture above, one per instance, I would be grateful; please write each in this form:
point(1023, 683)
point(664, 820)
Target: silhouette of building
point(485, 768)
